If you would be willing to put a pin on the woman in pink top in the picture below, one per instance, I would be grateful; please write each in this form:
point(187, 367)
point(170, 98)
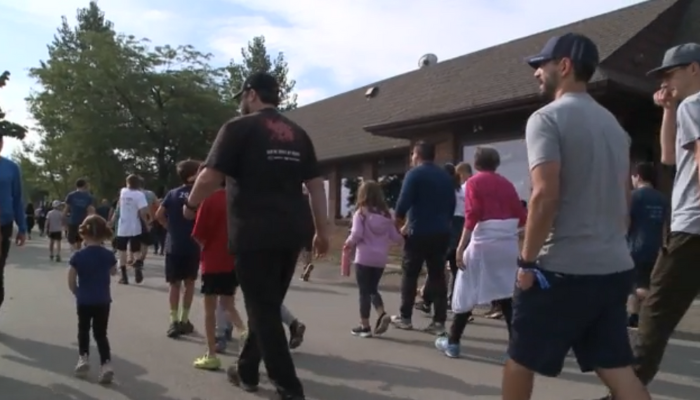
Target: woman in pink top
point(373, 232)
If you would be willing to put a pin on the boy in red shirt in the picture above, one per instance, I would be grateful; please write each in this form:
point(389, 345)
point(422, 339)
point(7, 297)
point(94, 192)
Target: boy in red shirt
point(219, 281)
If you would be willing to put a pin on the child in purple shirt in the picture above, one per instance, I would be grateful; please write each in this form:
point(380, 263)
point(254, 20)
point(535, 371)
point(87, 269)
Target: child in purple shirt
point(373, 232)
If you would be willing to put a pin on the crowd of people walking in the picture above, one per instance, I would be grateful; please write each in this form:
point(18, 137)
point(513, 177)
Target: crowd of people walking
point(588, 251)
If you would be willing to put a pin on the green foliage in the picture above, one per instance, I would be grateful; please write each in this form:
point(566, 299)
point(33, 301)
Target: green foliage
point(7, 128)
point(111, 104)
point(391, 186)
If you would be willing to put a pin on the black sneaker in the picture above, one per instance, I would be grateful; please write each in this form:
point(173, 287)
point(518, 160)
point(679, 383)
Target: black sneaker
point(235, 379)
point(51, 257)
point(138, 271)
point(124, 280)
point(362, 331)
point(174, 330)
point(382, 324)
point(296, 334)
point(186, 327)
point(421, 306)
point(58, 258)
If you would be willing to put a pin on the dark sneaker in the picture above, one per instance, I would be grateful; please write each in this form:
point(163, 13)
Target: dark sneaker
point(421, 306)
point(138, 271)
point(235, 378)
point(186, 327)
point(174, 330)
point(51, 257)
point(228, 334)
point(382, 324)
point(307, 272)
point(296, 334)
point(58, 258)
point(436, 328)
point(124, 280)
point(362, 331)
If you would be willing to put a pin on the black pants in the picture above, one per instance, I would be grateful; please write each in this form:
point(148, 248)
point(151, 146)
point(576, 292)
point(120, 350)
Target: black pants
point(368, 283)
point(97, 317)
point(6, 233)
point(461, 320)
point(431, 250)
point(675, 283)
point(264, 277)
point(41, 223)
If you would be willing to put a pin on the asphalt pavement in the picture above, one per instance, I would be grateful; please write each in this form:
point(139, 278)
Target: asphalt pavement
point(38, 328)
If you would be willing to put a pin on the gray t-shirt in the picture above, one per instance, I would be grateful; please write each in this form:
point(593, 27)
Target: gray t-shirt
point(54, 221)
point(588, 236)
point(685, 201)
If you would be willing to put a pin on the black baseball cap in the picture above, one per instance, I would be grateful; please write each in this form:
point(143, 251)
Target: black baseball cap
point(681, 55)
point(580, 49)
point(259, 81)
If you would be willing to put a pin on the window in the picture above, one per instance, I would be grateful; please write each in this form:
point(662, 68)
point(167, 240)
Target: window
point(514, 165)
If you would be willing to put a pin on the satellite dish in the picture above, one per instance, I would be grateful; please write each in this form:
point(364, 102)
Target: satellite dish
point(427, 60)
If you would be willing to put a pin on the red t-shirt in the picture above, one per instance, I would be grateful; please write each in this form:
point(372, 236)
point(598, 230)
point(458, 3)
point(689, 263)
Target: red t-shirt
point(492, 196)
point(210, 231)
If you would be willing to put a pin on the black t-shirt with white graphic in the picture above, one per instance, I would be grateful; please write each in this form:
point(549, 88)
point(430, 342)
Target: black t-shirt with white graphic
point(266, 157)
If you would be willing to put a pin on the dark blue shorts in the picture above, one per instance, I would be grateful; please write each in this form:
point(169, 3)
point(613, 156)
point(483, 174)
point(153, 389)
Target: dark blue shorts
point(181, 267)
point(583, 313)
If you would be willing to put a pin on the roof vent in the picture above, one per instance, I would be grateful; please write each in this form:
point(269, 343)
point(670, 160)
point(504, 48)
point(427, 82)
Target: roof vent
point(427, 60)
point(371, 92)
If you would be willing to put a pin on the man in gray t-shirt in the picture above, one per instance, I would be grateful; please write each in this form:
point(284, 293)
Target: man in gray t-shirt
point(575, 270)
point(676, 279)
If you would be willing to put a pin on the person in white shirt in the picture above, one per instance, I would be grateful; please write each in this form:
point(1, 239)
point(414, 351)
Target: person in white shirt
point(133, 212)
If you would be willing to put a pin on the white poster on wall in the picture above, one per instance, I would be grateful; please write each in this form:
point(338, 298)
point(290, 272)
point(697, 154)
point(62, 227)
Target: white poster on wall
point(514, 164)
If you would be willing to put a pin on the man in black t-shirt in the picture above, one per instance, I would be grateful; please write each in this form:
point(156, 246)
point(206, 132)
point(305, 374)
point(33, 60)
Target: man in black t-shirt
point(265, 158)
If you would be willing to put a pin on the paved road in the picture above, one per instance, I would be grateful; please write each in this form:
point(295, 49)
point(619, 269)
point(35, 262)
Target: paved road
point(38, 349)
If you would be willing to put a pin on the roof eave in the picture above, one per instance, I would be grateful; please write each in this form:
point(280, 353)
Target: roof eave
point(393, 129)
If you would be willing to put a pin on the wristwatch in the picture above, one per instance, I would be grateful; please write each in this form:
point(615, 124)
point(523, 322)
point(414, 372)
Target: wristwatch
point(526, 264)
point(190, 206)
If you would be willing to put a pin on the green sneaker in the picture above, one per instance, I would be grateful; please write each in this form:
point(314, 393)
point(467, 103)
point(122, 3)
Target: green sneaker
point(208, 362)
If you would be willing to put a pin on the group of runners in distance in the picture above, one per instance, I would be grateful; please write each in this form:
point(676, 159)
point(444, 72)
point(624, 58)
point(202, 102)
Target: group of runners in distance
point(193, 248)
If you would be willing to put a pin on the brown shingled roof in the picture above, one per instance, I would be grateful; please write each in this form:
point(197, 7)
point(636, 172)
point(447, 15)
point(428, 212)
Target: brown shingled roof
point(488, 76)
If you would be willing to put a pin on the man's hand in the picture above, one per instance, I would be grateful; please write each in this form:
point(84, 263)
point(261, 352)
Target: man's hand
point(525, 279)
point(459, 255)
point(21, 239)
point(404, 230)
point(320, 244)
point(664, 98)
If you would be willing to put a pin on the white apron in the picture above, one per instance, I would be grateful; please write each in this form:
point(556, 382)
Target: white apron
point(490, 265)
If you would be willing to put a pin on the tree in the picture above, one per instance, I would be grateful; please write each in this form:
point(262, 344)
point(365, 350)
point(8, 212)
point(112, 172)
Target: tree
point(255, 58)
point(113, 105)
point(7, 128)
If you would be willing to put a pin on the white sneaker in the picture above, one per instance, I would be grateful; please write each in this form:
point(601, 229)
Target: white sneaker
point(83, 367)
point(106, 375)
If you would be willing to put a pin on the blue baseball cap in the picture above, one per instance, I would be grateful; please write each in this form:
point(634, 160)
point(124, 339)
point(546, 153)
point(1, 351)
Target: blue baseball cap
point(580, 49)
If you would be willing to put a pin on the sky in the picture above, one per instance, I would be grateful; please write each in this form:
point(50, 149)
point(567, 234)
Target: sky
point(331, 46)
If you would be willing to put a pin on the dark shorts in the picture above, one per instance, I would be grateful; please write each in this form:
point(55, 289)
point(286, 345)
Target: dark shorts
point(181, 267)
point(586, 314)
point(219, 284)
point(146, 238)
point(73, 234)
point(56, 235)
point(133, 243)
point(643, 274)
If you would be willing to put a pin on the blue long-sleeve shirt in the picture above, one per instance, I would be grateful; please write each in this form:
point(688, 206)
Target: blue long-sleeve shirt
point(11, 203)
point(428, 199)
